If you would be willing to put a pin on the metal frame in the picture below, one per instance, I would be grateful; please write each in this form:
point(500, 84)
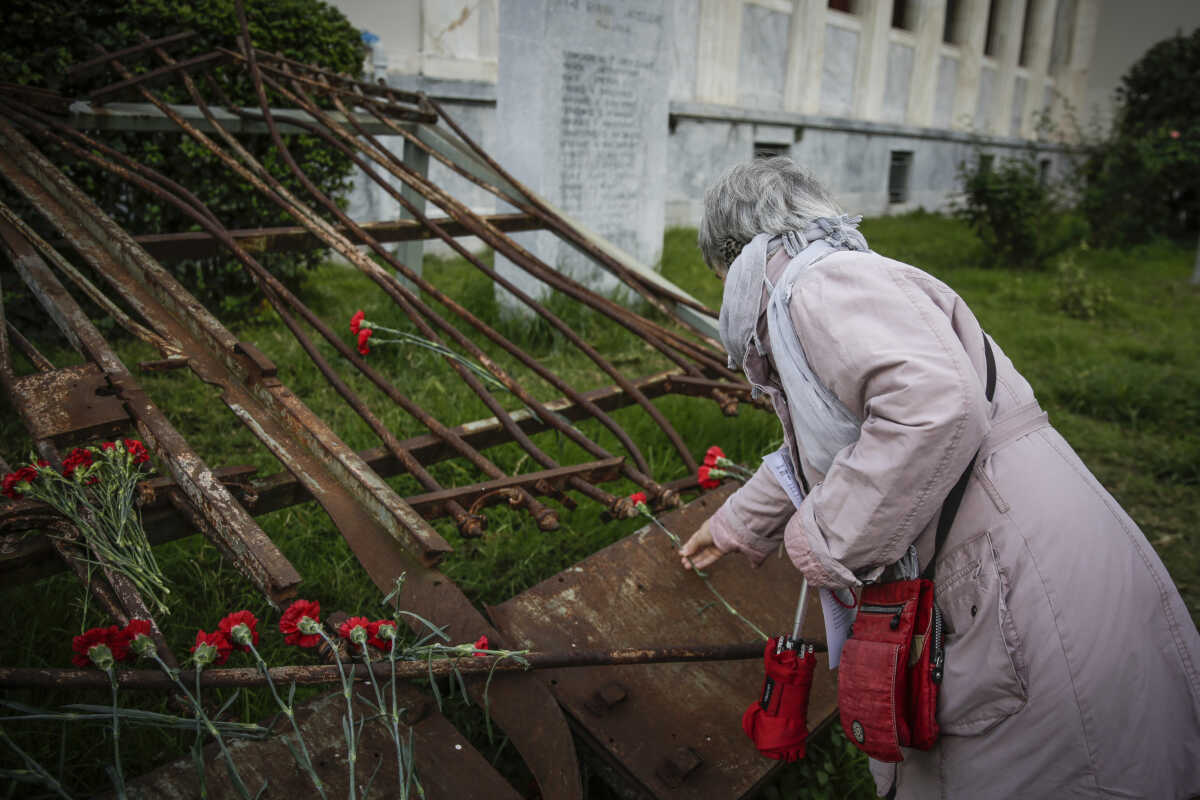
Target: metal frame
point(389, 534)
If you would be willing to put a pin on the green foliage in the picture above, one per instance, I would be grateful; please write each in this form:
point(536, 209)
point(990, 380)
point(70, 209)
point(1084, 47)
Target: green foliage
point(44, 39)
point(1143, 179)
point(1079, 295)
point(1018, 215)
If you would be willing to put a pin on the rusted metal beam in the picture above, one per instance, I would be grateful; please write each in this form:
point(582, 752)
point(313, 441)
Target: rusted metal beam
point(85, 68)
point(70, 406)
point(198, 244)
point(303, 442)
point(156, 76)
point(257, 556)
point(319, 674)
point(503, 490)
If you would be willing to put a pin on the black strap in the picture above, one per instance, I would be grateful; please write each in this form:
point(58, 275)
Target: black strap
point(954, 499)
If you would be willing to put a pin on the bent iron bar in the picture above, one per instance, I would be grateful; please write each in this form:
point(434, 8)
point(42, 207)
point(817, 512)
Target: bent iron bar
point(20, 677)
point(405, 298)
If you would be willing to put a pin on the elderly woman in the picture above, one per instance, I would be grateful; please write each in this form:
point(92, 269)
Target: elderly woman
point(1072, 666)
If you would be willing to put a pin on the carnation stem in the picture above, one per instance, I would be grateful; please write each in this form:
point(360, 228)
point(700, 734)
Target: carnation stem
point(305, 760)
point(34, 767)
point(116, 728)
point(206, 722)
point(678, 544)
point(348, 693)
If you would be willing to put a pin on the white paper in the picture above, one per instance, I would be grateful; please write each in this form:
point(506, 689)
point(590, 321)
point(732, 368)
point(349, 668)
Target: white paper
point(838, 618)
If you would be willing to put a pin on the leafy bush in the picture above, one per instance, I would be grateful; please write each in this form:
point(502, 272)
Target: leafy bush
point(45, 38)
point(1020, 218)
point(1143, 179)
point(1078, 295)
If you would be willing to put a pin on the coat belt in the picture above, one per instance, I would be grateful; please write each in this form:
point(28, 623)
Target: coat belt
point(1012, 425)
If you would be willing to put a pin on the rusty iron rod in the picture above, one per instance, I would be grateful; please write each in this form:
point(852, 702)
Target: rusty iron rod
point(469, 524)
point(709, 359)
point(490, 332)
point(260, 559)
point(562, 227)
point(206, 61)
point(293, 433)
point(274, 190)
point(94, 64)
point(318, 674)
point(199, 244)
point(637, 475)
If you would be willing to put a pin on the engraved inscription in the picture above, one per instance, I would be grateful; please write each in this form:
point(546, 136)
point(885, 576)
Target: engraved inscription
point(600, 134)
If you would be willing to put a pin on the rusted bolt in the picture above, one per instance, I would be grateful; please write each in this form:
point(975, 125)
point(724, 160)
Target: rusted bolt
point(604, 698)
point(675, 768)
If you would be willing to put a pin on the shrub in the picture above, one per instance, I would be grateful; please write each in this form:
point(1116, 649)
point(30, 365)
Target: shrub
point(1020, 218)
point(45, 38)
point(1142, 179)
point(1078, 295)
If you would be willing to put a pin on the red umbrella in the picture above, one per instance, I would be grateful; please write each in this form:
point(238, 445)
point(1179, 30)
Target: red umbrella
point(778, 722)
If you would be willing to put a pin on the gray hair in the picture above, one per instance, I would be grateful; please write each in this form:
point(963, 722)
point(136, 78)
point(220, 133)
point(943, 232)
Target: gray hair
point(766, 195)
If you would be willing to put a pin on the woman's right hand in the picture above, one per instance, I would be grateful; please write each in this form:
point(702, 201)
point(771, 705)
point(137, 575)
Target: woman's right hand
point(699, 551)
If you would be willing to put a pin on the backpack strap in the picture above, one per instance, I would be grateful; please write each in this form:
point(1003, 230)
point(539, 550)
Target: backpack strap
point(954, 499)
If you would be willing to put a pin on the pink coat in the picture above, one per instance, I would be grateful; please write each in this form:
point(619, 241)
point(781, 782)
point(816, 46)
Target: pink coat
point(1072, 664)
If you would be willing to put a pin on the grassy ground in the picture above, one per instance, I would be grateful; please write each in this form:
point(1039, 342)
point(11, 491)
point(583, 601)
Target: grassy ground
point(1123, 387)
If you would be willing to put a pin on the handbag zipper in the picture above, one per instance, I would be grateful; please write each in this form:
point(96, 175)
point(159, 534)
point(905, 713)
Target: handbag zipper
point(894, 610)
point(937, 663)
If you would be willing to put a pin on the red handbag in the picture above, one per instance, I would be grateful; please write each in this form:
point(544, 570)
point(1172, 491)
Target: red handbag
point(892, 664)
point(890, 670)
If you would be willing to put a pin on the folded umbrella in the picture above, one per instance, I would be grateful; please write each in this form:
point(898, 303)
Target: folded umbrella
point(778, 722)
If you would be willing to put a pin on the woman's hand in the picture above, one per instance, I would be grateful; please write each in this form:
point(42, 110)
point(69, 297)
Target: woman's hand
point(699, 551)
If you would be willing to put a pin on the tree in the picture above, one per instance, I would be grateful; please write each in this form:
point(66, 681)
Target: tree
point(44, 38)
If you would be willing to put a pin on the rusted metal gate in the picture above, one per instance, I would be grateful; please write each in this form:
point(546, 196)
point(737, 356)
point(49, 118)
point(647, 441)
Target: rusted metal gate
point(388, 533)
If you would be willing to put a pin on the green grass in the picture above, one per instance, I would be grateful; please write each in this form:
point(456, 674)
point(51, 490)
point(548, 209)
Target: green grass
point(1124, 388)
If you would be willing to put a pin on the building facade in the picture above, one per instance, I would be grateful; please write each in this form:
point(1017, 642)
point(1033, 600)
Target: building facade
point(882, 99)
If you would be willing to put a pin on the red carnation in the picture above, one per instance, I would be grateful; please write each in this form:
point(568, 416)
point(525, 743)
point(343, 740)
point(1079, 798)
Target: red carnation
point(231, 621)
point(481, 644)
point(377, 641)
point(138, 450)
point(711, 456)
point(363, 335)
point(111, 637)
point(216, 640)
point(26, 474)
point(105, 446)
point(356, 321)
point(289, 623)
point(1174, 134)
point(347, 628)
point(638, 498)
point(706, 482)
point(79, 457)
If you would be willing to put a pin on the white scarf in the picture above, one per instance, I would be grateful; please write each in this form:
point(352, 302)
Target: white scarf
point(822, 424)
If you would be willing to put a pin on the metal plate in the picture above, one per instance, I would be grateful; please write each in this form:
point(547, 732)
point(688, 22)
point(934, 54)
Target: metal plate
point(675, 729)
point(67, 406)
point(447, 765)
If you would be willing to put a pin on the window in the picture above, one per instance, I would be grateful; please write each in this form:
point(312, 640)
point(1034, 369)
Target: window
point(1023, 59)
point(898, 176)
point(985, 162)
point(770, 149)
point(902, 15)
point(989, 41)
point(1043, 171)
point(845, 6)
point(950, 29)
